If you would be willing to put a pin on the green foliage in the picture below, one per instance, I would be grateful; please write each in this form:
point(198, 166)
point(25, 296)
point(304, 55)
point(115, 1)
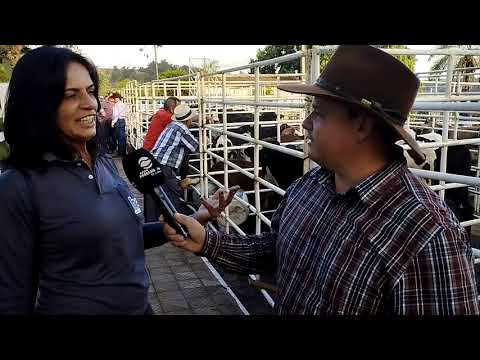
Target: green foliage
point(116, 78)
point(465, 61)
point(441, 61)
point(273, 51)
point(172, 73)
point(74, 48)
point(104, 83)
point(408, 60)
point(119, 85)
point(208, 66)
point(9, 54)
point(5, 73)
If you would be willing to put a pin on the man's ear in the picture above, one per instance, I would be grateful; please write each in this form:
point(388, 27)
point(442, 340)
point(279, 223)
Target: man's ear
point(363, 126)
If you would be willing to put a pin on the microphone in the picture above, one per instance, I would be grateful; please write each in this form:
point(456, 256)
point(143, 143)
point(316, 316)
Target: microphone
point(145, 174)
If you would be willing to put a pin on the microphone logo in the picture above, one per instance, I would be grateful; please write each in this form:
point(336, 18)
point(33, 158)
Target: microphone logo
point(145, 163)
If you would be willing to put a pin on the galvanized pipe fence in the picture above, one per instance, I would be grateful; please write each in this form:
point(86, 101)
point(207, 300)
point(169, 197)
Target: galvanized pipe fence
point(225, 93)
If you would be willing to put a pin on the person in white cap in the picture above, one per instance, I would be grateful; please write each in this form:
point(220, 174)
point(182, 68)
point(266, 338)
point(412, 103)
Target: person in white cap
point(173, 145)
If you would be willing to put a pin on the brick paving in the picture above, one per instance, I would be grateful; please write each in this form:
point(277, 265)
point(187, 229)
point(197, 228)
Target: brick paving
point(181, 283)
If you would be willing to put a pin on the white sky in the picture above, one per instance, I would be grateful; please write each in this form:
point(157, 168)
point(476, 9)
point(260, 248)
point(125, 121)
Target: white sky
point(130, 55)
point(226, 55)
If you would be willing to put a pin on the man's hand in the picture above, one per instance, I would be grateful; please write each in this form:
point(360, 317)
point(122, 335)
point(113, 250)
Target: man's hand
point(215, 205)
point(197, 233)
point(185, 183)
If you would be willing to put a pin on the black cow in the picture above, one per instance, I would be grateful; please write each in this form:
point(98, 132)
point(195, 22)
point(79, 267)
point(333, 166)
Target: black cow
point(277, 163)
point(458, 162)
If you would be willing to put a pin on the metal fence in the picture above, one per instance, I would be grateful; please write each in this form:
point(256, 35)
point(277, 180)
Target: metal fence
point(447, 105)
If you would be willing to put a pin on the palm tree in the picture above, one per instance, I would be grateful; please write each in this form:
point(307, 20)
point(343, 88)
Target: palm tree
point(464, 61)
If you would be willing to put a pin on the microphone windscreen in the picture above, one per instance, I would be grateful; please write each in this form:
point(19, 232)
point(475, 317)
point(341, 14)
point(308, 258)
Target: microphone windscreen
point(143, 170)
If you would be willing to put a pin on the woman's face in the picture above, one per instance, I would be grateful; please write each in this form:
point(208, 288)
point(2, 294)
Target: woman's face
point(76, 114)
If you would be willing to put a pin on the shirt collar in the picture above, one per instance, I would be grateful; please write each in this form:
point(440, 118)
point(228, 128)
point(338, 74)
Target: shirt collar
point(52, 158)
point(373, 187)
point(378, 184)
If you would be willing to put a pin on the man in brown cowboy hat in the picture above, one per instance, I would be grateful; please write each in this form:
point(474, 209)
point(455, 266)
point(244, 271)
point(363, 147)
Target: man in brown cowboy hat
point(360, 234)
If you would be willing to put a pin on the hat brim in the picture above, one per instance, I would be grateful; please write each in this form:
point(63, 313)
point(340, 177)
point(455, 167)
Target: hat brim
point(314, 90)
point(192, 115)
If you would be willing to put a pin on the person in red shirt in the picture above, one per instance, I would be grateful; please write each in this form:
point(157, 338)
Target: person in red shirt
point(160, 120)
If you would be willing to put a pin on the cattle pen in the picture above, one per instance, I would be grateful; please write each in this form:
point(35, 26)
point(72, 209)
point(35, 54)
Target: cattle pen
point(448, 103)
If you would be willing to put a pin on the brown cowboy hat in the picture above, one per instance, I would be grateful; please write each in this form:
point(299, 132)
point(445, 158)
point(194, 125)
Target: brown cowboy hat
point(373, 79)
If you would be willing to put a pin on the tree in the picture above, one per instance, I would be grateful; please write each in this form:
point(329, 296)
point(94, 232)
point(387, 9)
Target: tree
point(208, 66)
point(173, 73)
point(74, 48)
point(9, 54)
point(104, 83)
point(465, 61)
point(273, 51)
point(5, 73)
point(119, 85)
point(408, 60)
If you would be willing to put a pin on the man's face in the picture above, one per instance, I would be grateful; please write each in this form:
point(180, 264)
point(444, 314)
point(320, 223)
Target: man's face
point(173, 106)
point(190, 122)
point(331, 132)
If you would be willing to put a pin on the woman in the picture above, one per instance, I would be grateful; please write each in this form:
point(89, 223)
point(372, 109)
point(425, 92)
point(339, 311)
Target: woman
point(72, 239)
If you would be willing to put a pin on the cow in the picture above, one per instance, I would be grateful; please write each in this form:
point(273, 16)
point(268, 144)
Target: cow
point(238, 212)
point(458, 162)
point(287, 134)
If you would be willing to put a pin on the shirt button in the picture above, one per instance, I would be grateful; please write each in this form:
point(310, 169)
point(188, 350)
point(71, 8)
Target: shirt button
point(90, 176)
point(79, 164)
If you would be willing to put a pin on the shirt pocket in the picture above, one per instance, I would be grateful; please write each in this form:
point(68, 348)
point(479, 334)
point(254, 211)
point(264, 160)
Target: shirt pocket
point(131, 202)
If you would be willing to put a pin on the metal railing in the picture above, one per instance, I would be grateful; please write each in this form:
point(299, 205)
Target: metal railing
point(214, 94)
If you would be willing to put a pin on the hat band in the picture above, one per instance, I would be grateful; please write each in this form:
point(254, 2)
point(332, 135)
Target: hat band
point(390, 114)
point(184, 116)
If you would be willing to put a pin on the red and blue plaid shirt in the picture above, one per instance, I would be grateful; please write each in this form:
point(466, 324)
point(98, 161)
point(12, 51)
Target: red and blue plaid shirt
point(388, 245)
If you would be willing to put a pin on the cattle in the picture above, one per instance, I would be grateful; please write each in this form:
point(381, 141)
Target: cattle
point(238, 211)
point(287, 134)
point(458, 162)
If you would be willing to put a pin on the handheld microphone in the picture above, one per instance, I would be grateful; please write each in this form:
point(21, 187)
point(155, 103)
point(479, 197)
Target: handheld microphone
point(145, 174)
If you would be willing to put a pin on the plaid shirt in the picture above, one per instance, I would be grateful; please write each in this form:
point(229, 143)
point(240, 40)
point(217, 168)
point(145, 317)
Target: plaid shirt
point(388, 245)
point(171, 144)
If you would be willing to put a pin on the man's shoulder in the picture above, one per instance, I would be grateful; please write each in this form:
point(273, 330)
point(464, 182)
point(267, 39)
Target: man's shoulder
point(425, 203)
point(178, 126)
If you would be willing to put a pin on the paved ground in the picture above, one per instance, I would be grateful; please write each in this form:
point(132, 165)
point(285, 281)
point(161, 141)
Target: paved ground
point(182, 284)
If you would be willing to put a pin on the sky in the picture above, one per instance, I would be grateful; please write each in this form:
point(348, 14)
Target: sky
point(132, 56)
point(226, 55)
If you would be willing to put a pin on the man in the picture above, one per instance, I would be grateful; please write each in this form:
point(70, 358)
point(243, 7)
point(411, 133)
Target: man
point(359, 235)
point(119, 116)
point(173, 145)
point(106, 113)
point(159, 121)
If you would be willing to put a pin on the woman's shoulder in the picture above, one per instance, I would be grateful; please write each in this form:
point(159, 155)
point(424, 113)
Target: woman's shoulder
point(13, 184)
